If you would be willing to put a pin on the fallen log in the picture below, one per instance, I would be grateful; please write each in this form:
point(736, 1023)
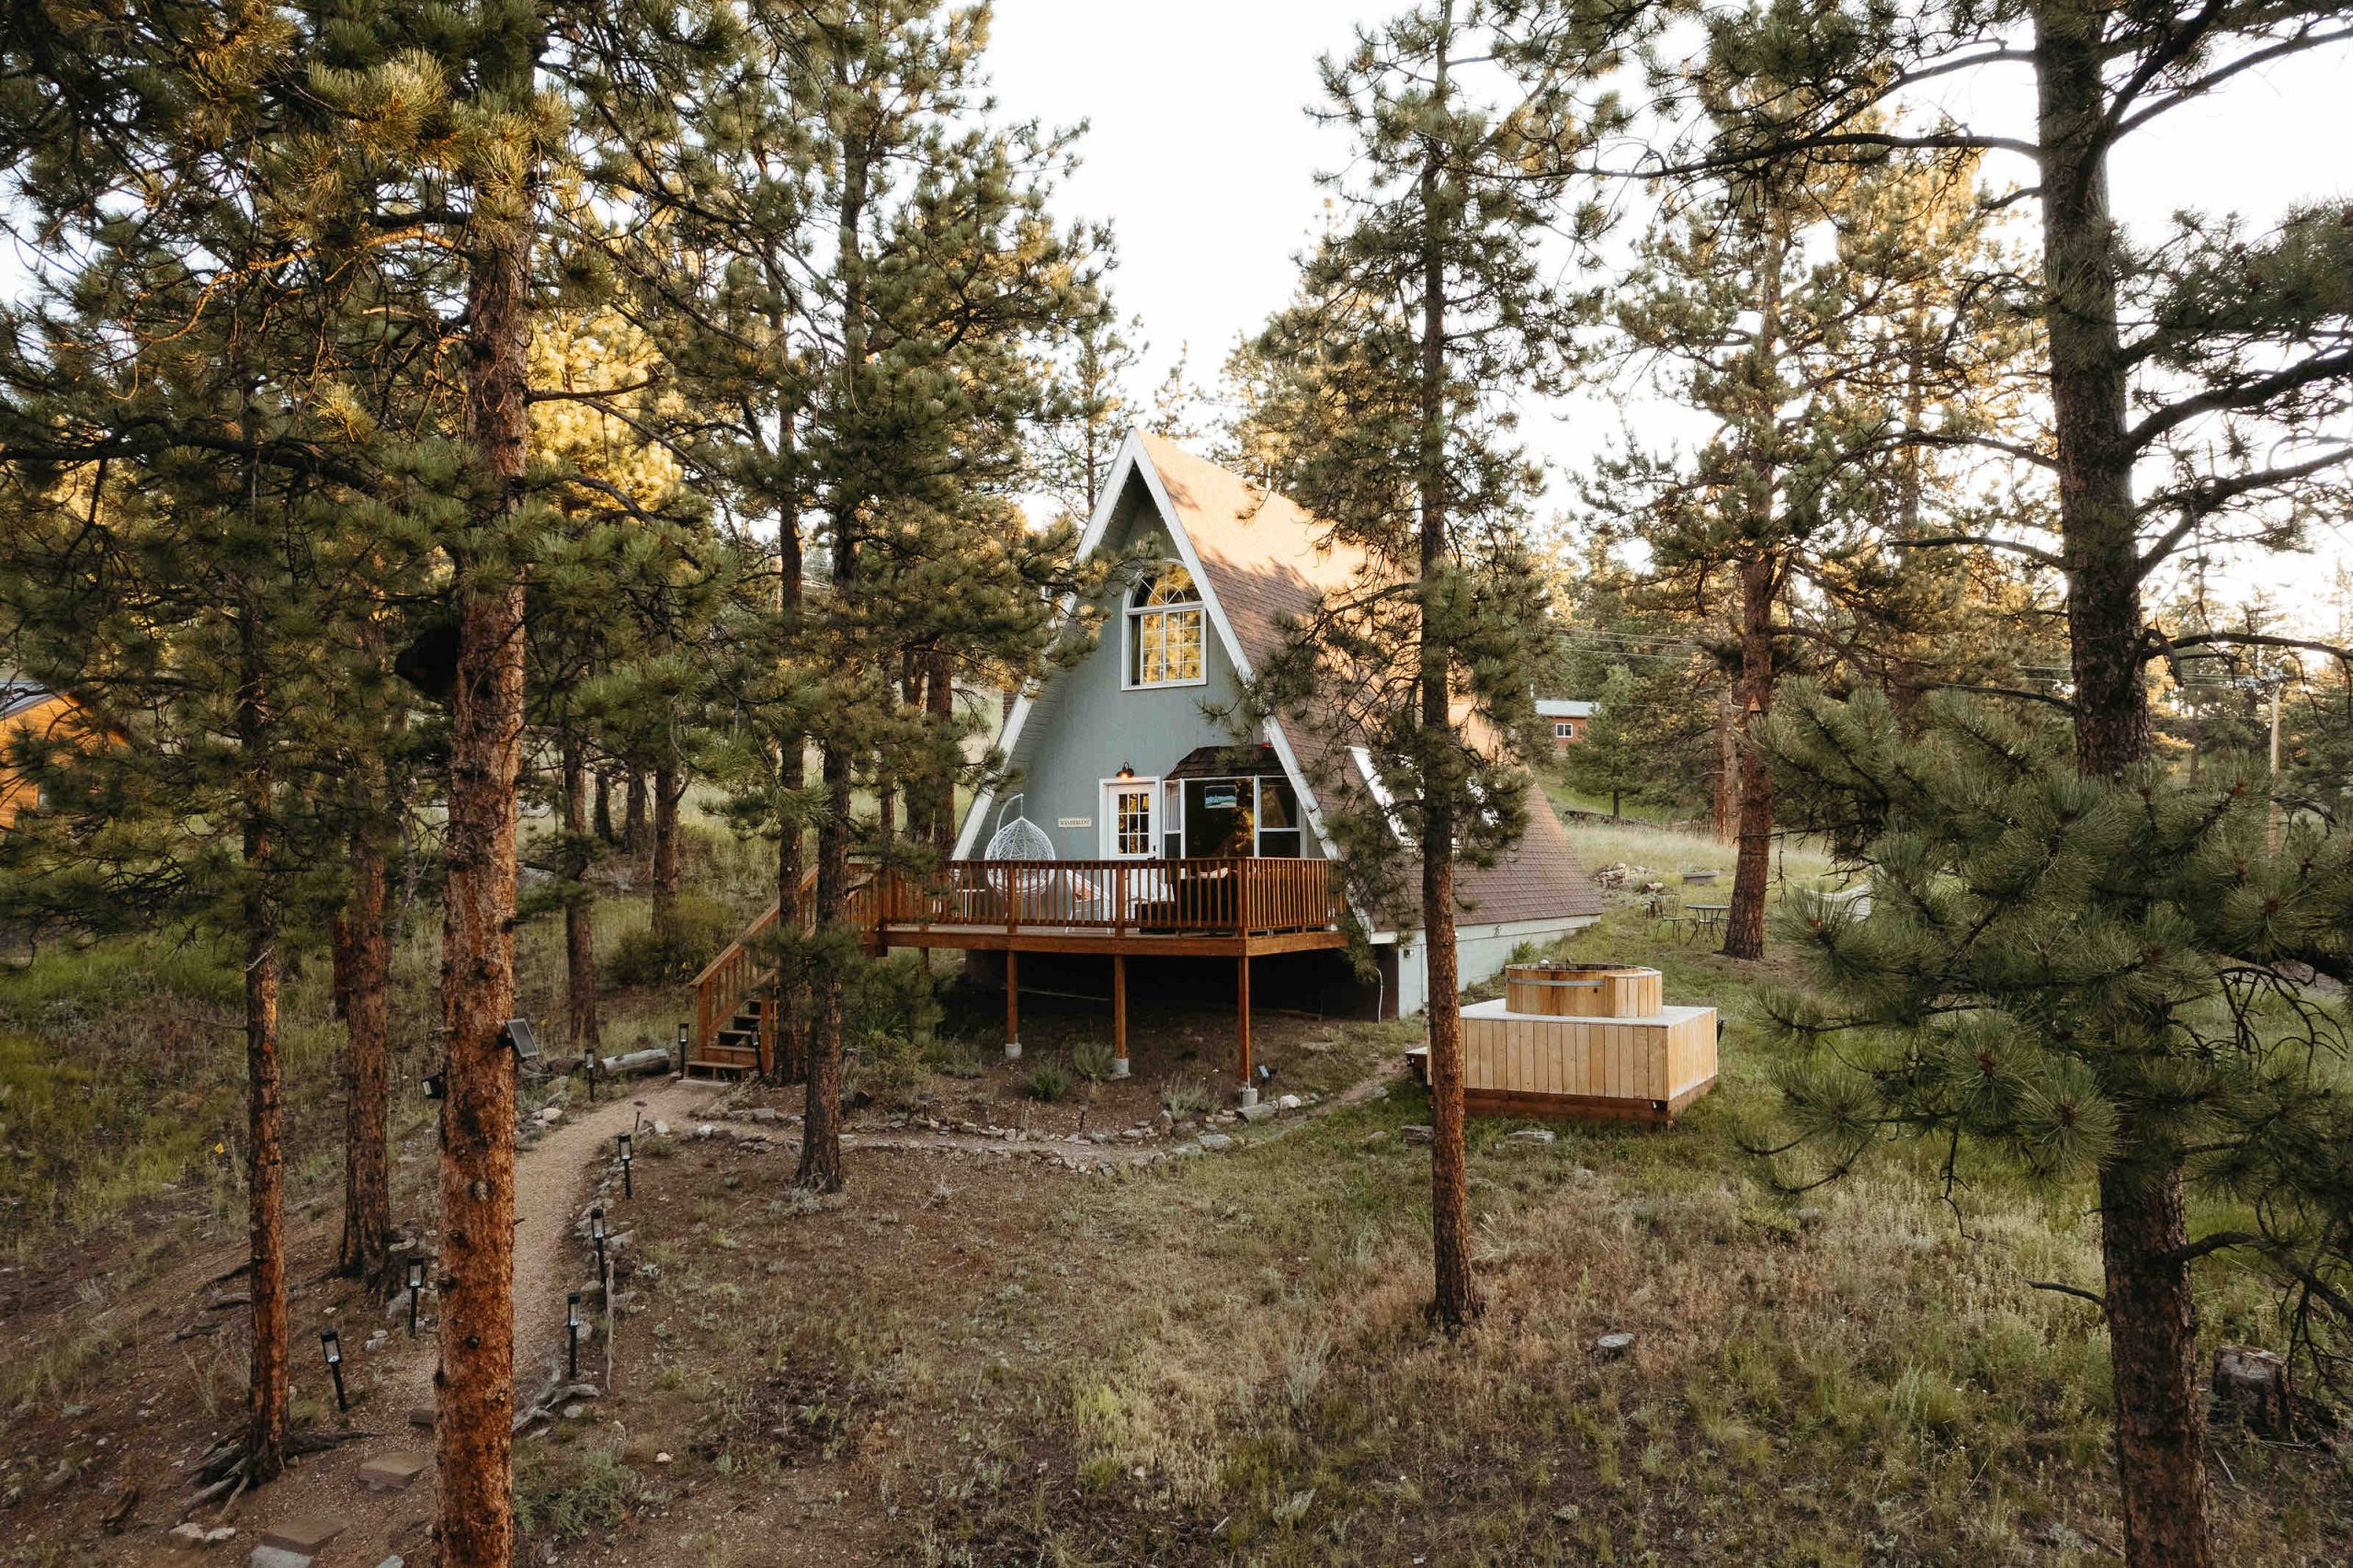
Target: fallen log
point(631, 1064)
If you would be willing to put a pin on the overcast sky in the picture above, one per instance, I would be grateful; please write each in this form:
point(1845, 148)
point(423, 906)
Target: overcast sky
point(1200, 152)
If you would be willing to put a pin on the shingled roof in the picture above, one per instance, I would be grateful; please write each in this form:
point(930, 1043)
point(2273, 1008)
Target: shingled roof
point(1268, 563)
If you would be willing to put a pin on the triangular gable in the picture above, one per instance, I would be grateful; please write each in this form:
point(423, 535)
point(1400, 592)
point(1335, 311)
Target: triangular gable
point(1219, 571)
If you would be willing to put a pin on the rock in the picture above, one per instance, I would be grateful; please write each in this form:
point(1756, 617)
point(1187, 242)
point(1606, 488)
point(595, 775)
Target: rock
point(705, 1131)
point(1216, 1143)
point(661, 1458)
point(583, 1390)
point(303, 1534)
point(575, 1411)
point(1289, 1102)
point(394, 1473)
point(1417, 1132)
point(1530, 1135)
point(661, 1130)
point(2253, 1383)
point(193, 1536)
point(1255, 1112)
point(1609, 1346)
point(424, 1415)
point(267, 1556)
point(1133, 1134)
point(762, 1113)
point(395, 1561)
point(550, 1115)
point(1164, 1121)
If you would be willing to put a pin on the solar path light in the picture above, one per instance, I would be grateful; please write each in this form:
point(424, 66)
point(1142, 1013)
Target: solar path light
point(331, 1347)
point(596, 1234)
point(415, 1288)
point(629, 1153)
point(572, 1331)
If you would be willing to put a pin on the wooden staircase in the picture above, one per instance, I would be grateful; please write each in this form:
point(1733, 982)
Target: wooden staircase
point(738, 1045)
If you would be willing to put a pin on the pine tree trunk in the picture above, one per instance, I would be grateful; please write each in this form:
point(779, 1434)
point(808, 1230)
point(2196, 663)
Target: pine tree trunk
point(476, 1381)
point(793, 773)
point(939, 701)
point(604, 808)
point(579, 907)
point(821, 1140)
point(269, 1388)
point(2160, 1435)
point(633, 809)
point(1727, 802)
point(1455, 1301)
point(363, 958)
point(1744, 922)
point(268, 1391)
point(669, 786)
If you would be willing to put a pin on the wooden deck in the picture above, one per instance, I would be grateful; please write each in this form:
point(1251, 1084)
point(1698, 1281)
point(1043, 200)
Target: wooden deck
point(1237, 907)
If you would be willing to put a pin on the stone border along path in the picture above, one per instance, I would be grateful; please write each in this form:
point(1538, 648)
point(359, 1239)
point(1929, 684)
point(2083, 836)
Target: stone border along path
point(569, 1166)
point(1100, 1153)
point(555, 1168)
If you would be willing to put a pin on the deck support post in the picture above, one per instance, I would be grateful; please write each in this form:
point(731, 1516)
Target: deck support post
point(1242, 1025)
point(1012, 1005)
point(1118, 1015)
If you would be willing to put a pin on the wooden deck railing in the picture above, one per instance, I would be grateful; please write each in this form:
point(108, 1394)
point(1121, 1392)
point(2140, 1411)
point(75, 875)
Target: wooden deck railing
point(1225, 895)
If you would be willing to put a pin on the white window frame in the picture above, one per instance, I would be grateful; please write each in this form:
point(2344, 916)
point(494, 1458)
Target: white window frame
point(1108, 836)
point(1132, 622)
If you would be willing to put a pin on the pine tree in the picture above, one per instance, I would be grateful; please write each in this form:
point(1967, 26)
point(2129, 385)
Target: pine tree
point(199, 397)
point(2162, 362)
point(1421, 316)
point(1825, 378)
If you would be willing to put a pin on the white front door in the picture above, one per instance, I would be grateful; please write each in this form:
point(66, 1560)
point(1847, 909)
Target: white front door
point(1130, 818)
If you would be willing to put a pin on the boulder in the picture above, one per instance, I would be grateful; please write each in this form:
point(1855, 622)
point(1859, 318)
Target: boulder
point(1609, 1346)
point(1530, 1135)
point(1417, 1132)
point(1216, 1143)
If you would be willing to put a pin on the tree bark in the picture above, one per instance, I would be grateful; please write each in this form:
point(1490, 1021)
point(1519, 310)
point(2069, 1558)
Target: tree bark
point(2160, 1421)
point(475, 1380)
point(1455, 1298)
point(633, 808)
point(603, 812)
point(669, 786)
point(793, 769)
point(1744, 922)
point(363, 960)
point(581, 1029)
point(821, 1141)
point(1727, 801)
point(939, 701)
point(269, 1387)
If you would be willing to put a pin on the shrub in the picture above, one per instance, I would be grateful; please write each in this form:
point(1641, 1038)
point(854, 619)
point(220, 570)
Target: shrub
point(1091, 1060)
point(890, 1069)
point(1047, 1080)
point(955, 1058)
point(893, 995)
point(1186, 1098)
point(567, 1493)
point(644, 958)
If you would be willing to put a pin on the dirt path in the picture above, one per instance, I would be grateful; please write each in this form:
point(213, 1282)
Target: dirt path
point(556, 1180)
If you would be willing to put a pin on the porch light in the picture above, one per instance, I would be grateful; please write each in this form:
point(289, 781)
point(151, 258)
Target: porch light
point(1126, 770)
point(331, 1347)
point(416, 1288)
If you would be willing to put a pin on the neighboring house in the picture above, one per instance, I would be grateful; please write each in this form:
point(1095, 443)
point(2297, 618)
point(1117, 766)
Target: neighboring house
point(1116, 758)
point(1568, 718)
point(27, 713)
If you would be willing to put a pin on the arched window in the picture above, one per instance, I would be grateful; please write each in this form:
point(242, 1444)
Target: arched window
point(1165, 630)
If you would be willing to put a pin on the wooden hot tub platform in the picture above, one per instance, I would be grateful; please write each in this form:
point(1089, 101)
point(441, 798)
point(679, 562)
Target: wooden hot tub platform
point(1646, 1069)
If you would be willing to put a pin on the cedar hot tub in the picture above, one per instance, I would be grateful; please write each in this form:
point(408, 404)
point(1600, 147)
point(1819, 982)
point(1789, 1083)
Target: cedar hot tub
point(1582, 990)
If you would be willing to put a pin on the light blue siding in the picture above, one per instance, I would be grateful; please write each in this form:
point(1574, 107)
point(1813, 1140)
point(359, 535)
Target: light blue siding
point(1084, 727)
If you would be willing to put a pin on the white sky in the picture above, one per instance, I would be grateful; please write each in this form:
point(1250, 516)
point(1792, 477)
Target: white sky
point(1200, 152)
